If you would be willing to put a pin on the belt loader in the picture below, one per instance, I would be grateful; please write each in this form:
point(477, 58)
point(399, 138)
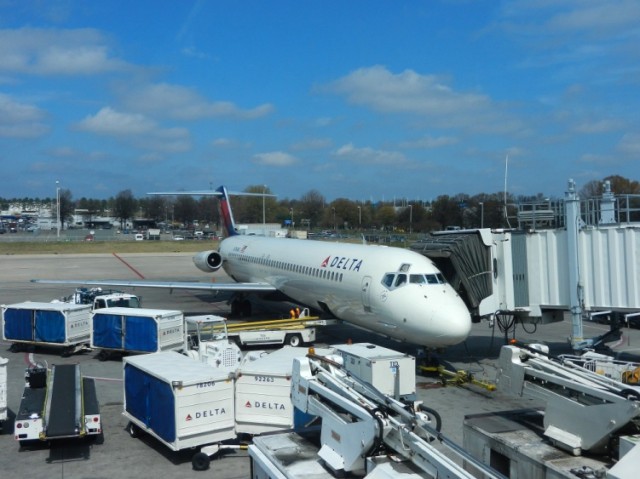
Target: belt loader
point(57, 404)
point(590, 423)
point(363, 433)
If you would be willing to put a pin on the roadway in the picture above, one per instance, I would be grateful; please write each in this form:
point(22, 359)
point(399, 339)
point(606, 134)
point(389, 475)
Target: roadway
point(121, 456)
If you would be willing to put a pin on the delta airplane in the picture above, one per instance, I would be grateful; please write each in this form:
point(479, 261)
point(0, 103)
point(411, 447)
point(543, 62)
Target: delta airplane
point(392, 291)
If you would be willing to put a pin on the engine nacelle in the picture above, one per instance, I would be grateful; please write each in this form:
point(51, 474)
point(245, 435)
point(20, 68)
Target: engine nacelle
point(208, 261)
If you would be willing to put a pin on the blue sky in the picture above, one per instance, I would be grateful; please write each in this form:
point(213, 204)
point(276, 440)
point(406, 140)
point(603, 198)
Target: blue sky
point(358, 99)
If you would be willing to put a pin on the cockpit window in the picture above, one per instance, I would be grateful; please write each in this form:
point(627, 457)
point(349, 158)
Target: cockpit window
point(400, 280)
point(396, 280)
point(432, 279)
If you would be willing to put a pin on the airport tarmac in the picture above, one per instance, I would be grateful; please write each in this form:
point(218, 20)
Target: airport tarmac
point(121, 456)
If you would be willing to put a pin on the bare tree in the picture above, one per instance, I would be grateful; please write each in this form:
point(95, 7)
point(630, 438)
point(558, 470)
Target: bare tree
point(124, 207)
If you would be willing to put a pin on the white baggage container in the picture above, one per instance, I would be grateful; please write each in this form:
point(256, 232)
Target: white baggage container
point(3, 390)
point(137, 330)
point(263, 392)
point(51, 324)
point(182, 403)
point(391, 372)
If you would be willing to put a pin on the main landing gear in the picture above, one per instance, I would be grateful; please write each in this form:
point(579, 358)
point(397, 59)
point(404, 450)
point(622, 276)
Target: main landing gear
point(240, 308)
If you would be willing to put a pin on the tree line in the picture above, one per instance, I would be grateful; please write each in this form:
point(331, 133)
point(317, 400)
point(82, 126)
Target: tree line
point(312, 211)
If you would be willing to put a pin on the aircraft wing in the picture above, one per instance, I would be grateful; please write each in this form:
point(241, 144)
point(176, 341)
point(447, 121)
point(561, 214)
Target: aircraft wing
point(195, 285)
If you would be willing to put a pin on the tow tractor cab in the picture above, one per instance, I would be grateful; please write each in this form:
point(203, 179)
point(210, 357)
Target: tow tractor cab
point(104, 298)
point(207, 341)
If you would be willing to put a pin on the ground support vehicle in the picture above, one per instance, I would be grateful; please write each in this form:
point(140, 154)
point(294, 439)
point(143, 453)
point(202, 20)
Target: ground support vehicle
point(291, 332)
point(184, 404)
point(390, 372)
point(102, 298)
point(136, 330)
point(61, 325)
point(57, 404)
point(363, 432)
point(206, 340)
point(589, 427)
point(3, 390)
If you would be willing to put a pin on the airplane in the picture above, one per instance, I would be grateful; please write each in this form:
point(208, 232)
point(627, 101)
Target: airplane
point(392, 291)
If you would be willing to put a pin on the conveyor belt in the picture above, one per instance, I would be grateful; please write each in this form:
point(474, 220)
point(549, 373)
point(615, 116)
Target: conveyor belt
point(63, 408)
point(91, 405)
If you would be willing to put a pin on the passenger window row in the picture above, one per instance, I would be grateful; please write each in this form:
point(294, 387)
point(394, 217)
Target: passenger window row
point(295, 268)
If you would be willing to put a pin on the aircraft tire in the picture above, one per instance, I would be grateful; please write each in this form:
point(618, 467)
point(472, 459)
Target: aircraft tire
point(245, 308)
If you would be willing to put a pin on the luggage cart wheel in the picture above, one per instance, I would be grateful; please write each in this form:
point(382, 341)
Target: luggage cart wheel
point(294, 340)
point(200, 461)
point(133, 430)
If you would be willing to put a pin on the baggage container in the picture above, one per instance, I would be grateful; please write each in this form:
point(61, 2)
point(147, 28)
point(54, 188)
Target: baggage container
point(136, 330)
point(263, 392)
point(391, 372)
point(53, 324)
point(182, 403)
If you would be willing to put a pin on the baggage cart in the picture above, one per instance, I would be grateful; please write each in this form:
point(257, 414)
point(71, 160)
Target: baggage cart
point(182, 403)
point(136, 330)
point(47, 324)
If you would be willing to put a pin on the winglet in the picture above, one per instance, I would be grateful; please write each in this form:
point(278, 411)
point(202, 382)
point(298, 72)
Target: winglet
point(225, 212)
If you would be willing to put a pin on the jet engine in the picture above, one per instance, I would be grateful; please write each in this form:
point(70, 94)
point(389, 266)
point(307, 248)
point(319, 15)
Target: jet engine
point(208, 261)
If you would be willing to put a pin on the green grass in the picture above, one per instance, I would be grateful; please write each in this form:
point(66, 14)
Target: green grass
point(80, 247)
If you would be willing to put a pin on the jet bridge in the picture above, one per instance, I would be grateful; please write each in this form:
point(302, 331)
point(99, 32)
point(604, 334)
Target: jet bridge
point(585, 266)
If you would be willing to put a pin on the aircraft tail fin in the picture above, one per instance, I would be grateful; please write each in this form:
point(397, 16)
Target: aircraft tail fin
point(226, 215)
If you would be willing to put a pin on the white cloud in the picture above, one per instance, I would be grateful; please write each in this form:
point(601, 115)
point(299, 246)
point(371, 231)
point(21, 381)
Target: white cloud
point(427, 96)
point(178, 102)
point(406, 92)
point(56, 52)
point(369, 156)
point(19, 120)
point(630, 143)
point(110, 122)
point(275, 158)
point(137, 129)
point(599, 126)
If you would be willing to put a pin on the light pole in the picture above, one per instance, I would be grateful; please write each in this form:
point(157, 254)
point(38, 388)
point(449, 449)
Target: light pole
point(264, 222)
point(359, 217)
point(334, 220)
point(410, 219)
point(58, 208)
point(481, 214)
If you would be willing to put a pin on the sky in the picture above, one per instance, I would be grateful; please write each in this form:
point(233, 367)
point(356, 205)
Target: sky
point(359, 99)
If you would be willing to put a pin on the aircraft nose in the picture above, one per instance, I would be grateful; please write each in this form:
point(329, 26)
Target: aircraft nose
point(457, 320)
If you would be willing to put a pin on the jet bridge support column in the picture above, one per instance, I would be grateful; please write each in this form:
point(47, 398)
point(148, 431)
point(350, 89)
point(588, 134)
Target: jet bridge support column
point(573, 221)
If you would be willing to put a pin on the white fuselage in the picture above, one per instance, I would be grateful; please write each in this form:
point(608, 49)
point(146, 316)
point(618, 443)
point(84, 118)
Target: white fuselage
point(392, 291)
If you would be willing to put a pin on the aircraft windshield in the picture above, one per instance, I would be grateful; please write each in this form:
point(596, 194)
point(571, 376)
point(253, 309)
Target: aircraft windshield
point(132, 302)
point(397, 280)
